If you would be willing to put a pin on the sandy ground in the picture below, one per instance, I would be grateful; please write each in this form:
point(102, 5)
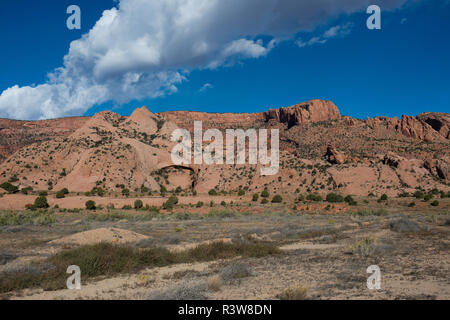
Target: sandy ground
point(318, 253)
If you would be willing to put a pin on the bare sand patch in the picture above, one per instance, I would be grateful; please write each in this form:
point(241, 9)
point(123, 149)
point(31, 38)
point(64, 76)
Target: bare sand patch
point(111, 235)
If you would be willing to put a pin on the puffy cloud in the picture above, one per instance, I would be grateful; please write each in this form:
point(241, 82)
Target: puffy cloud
point(145, 48)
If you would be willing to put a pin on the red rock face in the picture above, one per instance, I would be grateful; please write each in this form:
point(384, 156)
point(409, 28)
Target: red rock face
point(438, 121)
point(185, 119)
point(308, 112)
point(408, 126)
point(17, 134)
point(439, 167)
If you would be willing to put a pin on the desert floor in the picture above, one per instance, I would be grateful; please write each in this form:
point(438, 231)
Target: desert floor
point(322, 252)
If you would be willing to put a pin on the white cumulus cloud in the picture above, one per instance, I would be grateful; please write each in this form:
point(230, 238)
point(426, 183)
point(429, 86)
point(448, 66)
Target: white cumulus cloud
point(146, 48)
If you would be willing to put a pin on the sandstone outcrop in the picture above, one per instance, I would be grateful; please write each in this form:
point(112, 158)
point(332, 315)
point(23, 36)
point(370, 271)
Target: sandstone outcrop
point(333, 156)
point(438, 121)
point(308, 112)
point(393, 160)
point(408, 126)
point(438, 167)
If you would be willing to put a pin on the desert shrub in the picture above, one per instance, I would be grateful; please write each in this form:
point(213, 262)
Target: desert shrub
point(60, 194)
point(314, 197)
point(334, 197)
point(435, 203)
point(241, 192)
point(428, 197)
point(418, 194)
point(364, 247)
point(412, 204)
point(223, 203)
point(215, 283)
point(265, 193)
point(255, 197)
point(199, 204)
point(90, 205)
point(41, 217)
point(212, 192)
point(264, 201)
point(138, 204)
point(349, 199)
point(404, 225)
point(277, 199)
point(235, 271)
point(192, 290)
point(183, 216)
point(384, 197)
point(41, 203)
point(26, 190)
point(378, 212)
point(170, 203)
point(220, 214)
point(294, 293)
point(8, 187)
point(125, 192)
point(127, 207)
point(97, 191)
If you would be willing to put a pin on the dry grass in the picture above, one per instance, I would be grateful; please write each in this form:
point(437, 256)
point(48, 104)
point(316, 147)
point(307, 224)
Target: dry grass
point(215, 283)
point(106, 260)
point(298, 292)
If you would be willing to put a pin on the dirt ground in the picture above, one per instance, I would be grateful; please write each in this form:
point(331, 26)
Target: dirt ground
point(326, 254)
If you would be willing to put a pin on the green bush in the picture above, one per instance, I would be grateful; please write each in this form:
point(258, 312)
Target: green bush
point(223, 203)
point(265, 193)
point(199, 204)
point(435, 203)
point(314, 197)
point(26, 190)
point(138, 204)
point(333, 198)
point(9, 187)
point(277, 199)
point(170, 203)
point(428, 197)
point(60, 194)
point(418, 194)
point(90, 205)
point(212, 192)
point(41, 203)
point(126, 192)
point(384, 197)
point(241, 192)
point(255, 197)
point(264, 201)
point(349, 199)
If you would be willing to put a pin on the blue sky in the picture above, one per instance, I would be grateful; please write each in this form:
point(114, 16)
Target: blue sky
point(404, 68)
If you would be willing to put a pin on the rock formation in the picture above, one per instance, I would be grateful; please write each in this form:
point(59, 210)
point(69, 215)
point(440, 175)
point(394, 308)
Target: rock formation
point(438, 121)
point(333, 156)
point(311, 111)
